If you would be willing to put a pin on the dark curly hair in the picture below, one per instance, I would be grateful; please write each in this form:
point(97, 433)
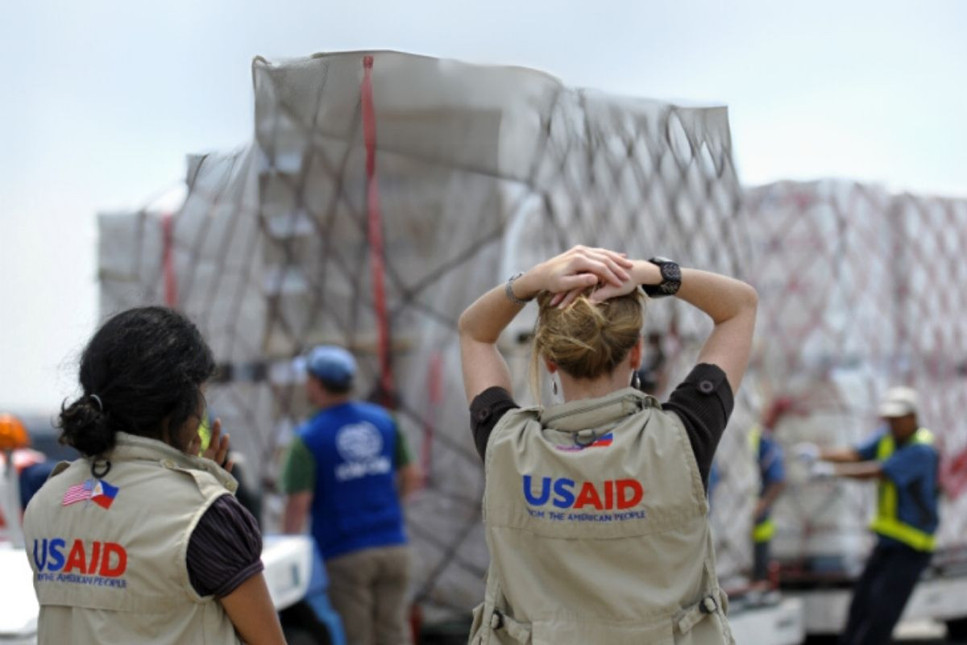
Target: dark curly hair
point(141, 372)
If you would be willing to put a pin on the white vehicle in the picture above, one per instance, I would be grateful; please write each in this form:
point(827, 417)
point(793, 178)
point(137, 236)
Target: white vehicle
point(778, 624)
point(939, 597)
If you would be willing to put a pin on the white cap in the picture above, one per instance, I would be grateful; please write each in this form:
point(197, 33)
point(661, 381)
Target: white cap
point(898, 402)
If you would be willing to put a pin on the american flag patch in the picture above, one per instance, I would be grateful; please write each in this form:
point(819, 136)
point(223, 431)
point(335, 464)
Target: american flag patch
point(78, 493)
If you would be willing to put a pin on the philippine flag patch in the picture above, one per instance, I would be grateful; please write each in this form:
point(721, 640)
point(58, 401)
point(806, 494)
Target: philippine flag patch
point(103, 494)
point(603, 441)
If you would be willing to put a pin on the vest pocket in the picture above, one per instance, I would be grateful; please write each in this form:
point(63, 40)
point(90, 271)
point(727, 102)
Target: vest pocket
point(579, 632)
point(476, 635)
point(701, 624)
point(704, 623)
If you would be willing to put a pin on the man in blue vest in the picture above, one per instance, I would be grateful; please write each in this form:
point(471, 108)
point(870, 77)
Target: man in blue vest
point(904, 461)
point(349, 467)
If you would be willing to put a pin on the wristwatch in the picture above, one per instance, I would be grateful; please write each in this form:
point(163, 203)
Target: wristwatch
point(671, 278)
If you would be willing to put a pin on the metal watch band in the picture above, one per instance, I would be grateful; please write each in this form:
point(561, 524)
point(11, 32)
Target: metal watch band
point(509, 290)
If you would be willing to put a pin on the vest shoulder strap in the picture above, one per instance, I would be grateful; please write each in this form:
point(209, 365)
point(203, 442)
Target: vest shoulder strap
point(59, 468)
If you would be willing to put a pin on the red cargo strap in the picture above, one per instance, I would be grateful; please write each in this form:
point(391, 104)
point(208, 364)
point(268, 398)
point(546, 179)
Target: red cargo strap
point(375, 231)
point(168, 260)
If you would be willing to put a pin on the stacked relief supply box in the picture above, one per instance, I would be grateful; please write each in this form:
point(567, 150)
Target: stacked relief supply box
point(480, 171)
point(203, 258)
point(860, 290)
point(826, 328)
point(477, 172)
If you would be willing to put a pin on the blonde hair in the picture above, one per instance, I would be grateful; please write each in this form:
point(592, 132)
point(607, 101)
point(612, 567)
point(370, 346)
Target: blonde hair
point(586, 340)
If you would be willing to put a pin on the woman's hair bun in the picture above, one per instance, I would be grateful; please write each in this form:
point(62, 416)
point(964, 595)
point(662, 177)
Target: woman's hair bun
point(587, 339)
point(84, 426)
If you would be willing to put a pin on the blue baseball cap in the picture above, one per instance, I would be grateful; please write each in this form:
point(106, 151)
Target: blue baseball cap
point(331, 364)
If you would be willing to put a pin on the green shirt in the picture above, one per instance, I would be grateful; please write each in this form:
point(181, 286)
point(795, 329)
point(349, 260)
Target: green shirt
point(299, 467)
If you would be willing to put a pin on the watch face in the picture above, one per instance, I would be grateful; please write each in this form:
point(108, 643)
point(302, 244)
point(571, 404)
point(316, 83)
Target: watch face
point(671, 277)
point(671, 288)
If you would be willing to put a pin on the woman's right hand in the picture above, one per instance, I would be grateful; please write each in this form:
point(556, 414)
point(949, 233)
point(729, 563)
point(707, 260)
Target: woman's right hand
point(567, 275)
point(218, 447)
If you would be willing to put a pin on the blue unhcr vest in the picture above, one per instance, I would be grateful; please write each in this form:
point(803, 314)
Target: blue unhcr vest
point(355, 504)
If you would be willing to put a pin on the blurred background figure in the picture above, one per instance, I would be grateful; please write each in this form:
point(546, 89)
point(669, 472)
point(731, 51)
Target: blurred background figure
point(348, 468)
point(772, 476)
point(20, 465)
point(651, 375)
point(901, 457)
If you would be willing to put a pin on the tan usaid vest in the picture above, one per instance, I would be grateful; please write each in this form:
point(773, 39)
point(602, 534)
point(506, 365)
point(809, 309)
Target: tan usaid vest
point(608, 544)
point(119, 574)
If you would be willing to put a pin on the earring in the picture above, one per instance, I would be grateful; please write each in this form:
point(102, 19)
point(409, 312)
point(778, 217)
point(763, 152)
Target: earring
point(636, 380)
point(554, 386)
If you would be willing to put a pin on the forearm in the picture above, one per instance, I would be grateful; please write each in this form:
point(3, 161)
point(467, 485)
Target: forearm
point(296, 509)
point(730, 303)
point(770, 495)
point(409, 480)
point(722, 298)
point(859, 470)
point(479, 328)
point(250, 609)
point(489, 315)
point(839, 455)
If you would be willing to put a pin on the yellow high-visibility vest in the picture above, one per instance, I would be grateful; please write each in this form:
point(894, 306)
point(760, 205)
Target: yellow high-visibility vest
point(886, 522)
point(764, 530)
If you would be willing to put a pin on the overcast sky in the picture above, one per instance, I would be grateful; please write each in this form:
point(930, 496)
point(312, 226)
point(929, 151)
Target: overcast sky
point(100, 102)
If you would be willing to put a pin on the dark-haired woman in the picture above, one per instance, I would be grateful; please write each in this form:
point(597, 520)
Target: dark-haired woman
point(141, 540)
point(595, 507)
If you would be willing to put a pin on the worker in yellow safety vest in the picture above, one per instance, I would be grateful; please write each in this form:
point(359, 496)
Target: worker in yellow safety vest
point(903, 460)
point(768, 457)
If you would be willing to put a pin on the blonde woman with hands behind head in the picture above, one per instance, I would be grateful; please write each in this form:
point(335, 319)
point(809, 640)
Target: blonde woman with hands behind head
point(595, 507)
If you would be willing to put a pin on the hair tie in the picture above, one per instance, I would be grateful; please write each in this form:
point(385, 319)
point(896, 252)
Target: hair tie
point(97, 399)
point(100, 467)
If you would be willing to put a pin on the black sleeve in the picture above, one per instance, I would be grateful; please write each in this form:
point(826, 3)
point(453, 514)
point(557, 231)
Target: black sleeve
point(704, 403)
point(225, 549)
point(485, 411)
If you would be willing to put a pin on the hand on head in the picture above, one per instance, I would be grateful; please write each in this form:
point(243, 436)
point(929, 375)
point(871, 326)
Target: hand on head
point(569, 274)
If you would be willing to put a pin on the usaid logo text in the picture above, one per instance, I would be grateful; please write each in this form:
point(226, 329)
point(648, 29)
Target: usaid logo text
point(561, 492)
point(105, 559)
